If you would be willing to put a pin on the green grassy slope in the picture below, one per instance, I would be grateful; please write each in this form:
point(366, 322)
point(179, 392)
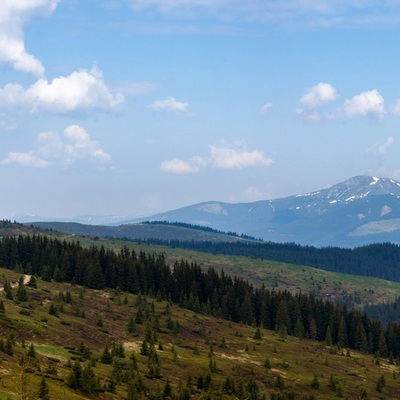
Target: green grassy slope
point(354, 290)
point(191, 348)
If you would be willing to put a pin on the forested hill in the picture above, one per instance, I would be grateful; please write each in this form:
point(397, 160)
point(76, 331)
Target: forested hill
point(377, 260)
point(205, 292)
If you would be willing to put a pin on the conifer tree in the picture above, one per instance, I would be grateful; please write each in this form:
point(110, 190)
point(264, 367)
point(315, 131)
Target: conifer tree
point(313, 329)
point(361, 342)
point(21, 291)
point(106, 356)
point(8, 290)
point(43, 392)
point(328, 336)
point(132, 327)
point(31, 351)
point(342, 334)
point(32, 282)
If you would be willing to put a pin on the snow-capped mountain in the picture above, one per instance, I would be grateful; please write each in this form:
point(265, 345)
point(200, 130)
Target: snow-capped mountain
point(360, 210)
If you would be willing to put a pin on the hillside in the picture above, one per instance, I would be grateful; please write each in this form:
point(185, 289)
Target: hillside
point(378, 260)
point(62, 329)
point(142, 231)
point(352, 290)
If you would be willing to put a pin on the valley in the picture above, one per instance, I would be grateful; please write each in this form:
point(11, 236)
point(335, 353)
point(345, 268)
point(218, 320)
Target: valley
point(80, 341)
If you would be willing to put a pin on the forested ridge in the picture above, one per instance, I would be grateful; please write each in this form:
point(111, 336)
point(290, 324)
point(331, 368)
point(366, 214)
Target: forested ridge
point(202, 291)
point(381, 260)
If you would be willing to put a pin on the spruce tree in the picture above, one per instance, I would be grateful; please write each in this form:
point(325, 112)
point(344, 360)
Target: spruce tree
point(106, 357)
point(32, 282)
point(43, 392)
point(21, 291)
point(328, 336)
point(8, 290)
point(342, 334)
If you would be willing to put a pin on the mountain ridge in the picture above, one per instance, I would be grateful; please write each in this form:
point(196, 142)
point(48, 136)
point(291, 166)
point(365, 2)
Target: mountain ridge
point(360, 210)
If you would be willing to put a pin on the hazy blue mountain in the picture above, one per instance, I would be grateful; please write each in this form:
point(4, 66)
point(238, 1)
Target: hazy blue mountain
point(360, 210)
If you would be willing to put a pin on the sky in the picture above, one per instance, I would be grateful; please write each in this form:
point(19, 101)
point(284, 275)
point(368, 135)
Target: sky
point(133, 107)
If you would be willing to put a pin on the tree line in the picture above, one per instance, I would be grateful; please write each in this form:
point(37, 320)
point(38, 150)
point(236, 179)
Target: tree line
point(380, 260)
point(203, 291)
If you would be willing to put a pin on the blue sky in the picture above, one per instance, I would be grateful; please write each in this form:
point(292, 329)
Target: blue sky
point(132, 107)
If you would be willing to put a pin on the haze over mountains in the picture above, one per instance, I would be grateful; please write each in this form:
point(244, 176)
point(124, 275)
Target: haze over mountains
point(358, 211)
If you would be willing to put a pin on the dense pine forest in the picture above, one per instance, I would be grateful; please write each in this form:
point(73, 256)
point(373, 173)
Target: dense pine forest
point(377, 260)
point(204, 292)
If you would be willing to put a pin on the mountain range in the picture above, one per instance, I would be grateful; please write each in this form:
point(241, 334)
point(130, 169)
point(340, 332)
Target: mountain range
point(358, 211)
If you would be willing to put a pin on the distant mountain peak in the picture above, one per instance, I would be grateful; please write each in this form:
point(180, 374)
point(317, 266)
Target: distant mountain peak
point(355, 188)
point(360, 210)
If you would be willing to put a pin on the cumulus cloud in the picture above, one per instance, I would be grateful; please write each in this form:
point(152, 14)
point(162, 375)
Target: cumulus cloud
point(55, 149)
point(178, 166)
point(228, 157)
point(318, 95)
point(26, 160)
point(81, 91)
point(221, 156)
point(265, 108)
point(369, 103)
point(14, 16)
point(314, 99)
point(169, 104)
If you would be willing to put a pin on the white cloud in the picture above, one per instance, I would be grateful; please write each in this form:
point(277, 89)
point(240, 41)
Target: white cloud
point(364, 104)
point(81, 91)
point(169, 104)
point(221, 156)
point(314, 99)
point(265, 108)
point(178, 166)
point(26, 160)
point(55, 149)
point(227, 157)
point(14, 15)
point(318, 95)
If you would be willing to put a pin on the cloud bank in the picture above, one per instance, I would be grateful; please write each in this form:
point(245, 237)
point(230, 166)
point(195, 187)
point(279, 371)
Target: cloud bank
point(54, 149)
point(81, 91)
point(221, 156)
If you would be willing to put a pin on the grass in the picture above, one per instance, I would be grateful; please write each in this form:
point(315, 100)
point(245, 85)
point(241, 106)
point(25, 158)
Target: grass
point(185, 356)
point(354, 290)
